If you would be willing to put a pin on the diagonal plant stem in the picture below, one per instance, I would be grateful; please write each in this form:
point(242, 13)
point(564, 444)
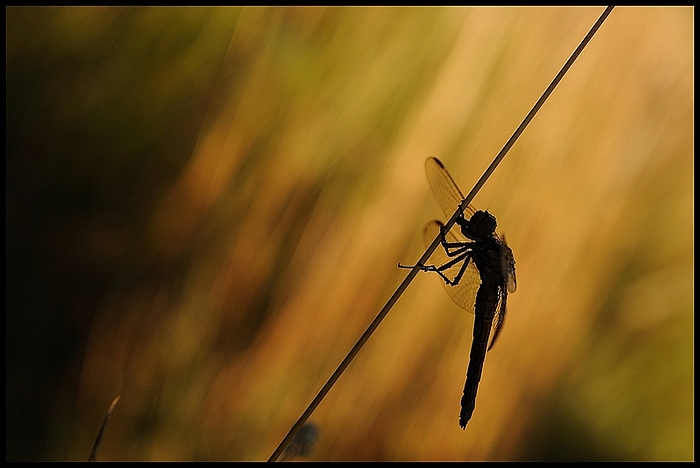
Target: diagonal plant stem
point(428, 252)
point(98, 438)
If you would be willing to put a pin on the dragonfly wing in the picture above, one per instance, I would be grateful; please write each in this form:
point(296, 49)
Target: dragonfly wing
point(508, 266)
point(499, 317)
point(464, 292)
point(445, 189)
point(509, 285)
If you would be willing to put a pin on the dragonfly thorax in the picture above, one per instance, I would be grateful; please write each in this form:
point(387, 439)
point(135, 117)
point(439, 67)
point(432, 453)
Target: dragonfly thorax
point(481, 226)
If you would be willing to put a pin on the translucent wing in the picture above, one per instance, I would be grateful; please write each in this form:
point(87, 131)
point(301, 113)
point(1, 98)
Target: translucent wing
point(499, 317)
point(464, 292)
point(445, 189)
point(508, 269)
point(508, 266)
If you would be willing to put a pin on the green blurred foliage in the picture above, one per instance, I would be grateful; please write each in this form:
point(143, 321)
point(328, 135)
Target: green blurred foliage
point(206, 206)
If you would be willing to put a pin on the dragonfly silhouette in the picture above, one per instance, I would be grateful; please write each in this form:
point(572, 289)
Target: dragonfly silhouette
point(485, 271)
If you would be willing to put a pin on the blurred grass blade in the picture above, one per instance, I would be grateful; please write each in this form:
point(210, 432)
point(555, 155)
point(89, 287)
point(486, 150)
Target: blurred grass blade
point(100, 433)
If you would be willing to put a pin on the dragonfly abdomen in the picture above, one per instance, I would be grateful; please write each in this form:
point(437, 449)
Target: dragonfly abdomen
point(484, 310)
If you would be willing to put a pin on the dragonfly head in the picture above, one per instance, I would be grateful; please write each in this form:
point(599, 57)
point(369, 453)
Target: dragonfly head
point(481, 225)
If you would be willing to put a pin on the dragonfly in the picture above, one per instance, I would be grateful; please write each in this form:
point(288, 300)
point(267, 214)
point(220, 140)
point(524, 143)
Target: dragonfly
point(478, 269)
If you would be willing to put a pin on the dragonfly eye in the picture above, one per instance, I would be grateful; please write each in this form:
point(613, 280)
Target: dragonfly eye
point(482, 224)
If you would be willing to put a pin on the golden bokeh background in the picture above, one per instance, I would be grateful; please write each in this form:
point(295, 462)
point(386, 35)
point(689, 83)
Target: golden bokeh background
point(206, 208)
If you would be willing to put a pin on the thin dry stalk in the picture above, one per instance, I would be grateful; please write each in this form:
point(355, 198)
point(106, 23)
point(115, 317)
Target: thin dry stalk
point(100, 432)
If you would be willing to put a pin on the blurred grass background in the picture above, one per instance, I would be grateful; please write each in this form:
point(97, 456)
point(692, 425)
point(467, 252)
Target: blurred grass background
point(206, 206)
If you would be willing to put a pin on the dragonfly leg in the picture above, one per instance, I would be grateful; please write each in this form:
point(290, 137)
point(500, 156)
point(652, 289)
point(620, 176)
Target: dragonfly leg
point(460, 247)
point(447, 265)
point(457, 251)
point(462, 269)
point(442, 275)
point(438, 269)
point(465, 258)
